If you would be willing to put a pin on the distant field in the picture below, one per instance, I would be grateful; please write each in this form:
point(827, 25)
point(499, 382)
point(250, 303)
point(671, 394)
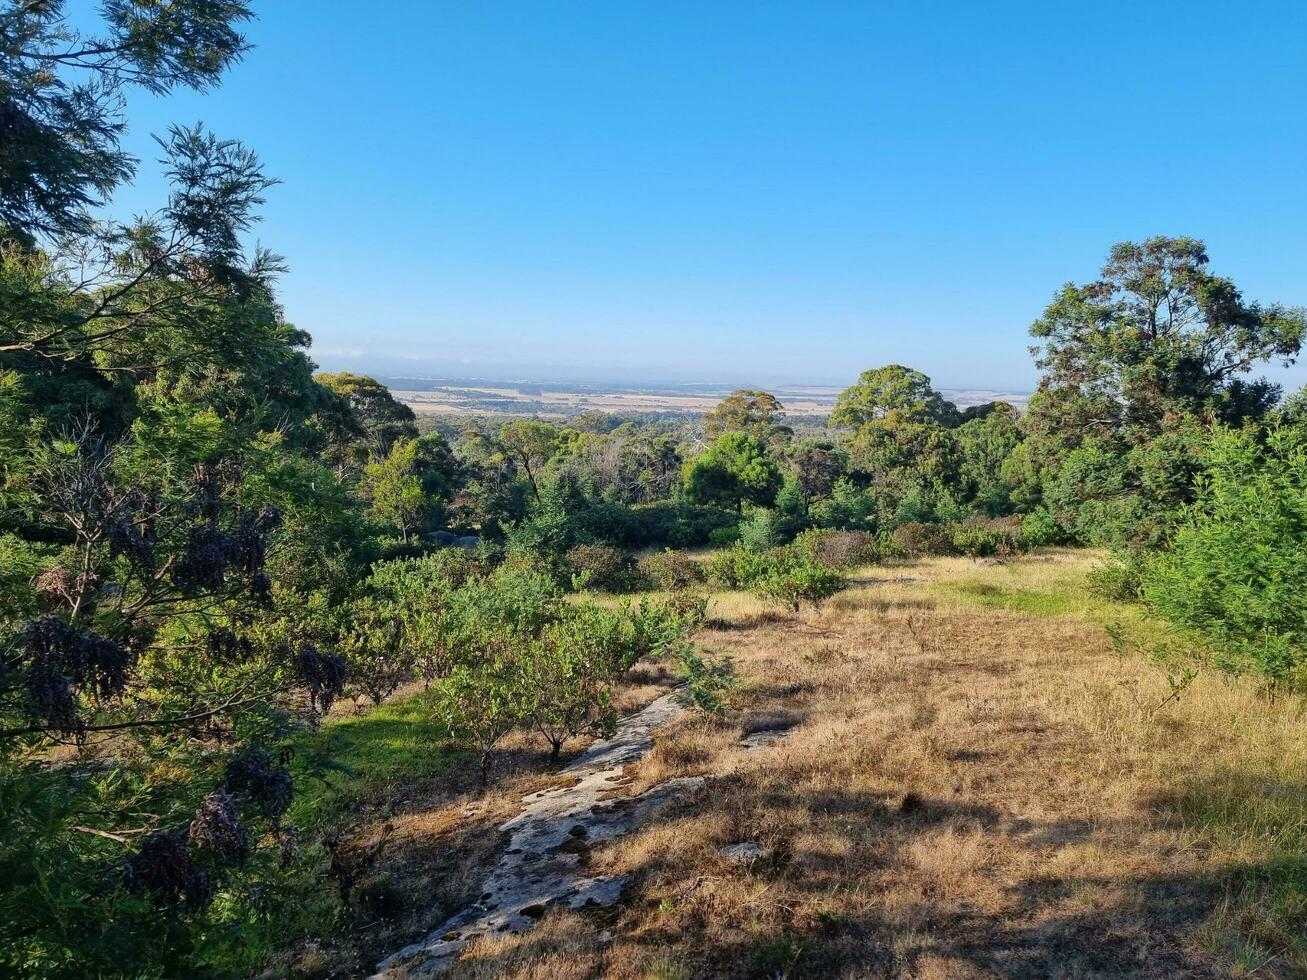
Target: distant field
point(559, 400)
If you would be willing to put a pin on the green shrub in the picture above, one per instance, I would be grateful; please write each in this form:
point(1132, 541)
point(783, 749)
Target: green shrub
point(370, 637)
point(671, 571)
point(707, 679)
point(724, 537)
point(601, 567)
point(840, 549)
point(736, 568)
point(671, 525)
point(1040, 528)
point(917, 540)
point(797, 579)
point(1233, 575)
point(979, 536)
point(1119, 578)
point(567, 675)
point(760, 530)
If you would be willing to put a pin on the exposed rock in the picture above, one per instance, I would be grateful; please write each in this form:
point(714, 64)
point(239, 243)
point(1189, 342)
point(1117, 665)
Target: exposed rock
point(744, 853)
point(541, 866)
point(768, 736)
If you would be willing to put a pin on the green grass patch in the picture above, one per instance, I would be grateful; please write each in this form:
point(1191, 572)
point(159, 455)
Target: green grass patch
point(348, 772)
point(365, 758)
point(1260, 820)
point(1015, 599)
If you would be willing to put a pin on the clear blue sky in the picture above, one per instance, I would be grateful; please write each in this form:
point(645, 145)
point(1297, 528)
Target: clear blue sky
point(789, 191)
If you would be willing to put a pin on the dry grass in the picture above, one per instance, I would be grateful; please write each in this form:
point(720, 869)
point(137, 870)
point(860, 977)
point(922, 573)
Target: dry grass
point(976, 784)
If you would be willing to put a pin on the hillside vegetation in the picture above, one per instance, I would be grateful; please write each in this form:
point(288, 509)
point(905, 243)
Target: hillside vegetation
point(275, 662)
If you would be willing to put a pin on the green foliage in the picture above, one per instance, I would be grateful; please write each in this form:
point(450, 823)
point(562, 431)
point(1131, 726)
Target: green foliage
point(977, 537)
point(792, 579)
point(818, 465)
point(479, 705)
point(760, 529)
point(671, 571)
point(673, 524)
point(393, 490)
point(986, 440)
point(1104, 496)
point(1233, 574)
point(840, 549)
point(1119, 578)
point(567, 675)
point(154, 855)
point(1157, 335)
point(735, 470)
point(601, 567)
point(724, 537)
point(373, 421)
point(1039, 527)
point(892, 392)
point(708, 680)
point(756, 413)
point(849, 508)
point(531, 445)
point(567, 513)
point(736, 567)
point(1136, 365)
point(370, 636)
point(788, 575)
point(64, 88)
point(764, 527)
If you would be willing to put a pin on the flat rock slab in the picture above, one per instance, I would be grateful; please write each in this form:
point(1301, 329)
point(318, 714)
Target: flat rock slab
point(764, 738)
point(541, 866)
point(744, 853)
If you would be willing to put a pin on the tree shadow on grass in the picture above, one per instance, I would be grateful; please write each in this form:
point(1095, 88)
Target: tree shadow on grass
point(1047, 924)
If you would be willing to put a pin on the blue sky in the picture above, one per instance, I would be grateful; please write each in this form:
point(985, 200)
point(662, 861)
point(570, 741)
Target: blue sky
point(787, 191)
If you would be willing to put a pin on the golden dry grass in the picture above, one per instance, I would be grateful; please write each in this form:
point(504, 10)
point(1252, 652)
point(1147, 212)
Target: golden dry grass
point(976, 784)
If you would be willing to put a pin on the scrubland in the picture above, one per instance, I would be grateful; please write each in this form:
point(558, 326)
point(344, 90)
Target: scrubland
point(977, 782)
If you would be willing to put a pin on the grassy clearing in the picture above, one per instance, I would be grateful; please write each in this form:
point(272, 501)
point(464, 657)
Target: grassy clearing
point(976, 784)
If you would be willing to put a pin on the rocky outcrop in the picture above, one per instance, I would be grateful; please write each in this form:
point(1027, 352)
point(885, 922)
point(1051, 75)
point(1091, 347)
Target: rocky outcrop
point(542, 866)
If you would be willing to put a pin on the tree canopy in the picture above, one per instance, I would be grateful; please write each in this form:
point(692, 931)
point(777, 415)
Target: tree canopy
point(757, 413)
point(62, 97)
point(1157, 335)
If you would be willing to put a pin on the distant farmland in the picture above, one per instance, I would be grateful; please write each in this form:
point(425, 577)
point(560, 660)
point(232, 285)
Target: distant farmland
point(564, 400)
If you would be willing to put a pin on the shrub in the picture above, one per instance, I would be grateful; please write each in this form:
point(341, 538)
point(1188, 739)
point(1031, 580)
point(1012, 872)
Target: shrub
point(567, 675)
point(839, 549)
point(917, 540)
point(987, 536)
point(724, 537)
point(671, 571)
point(371, 641)
point(1234, 574)
point(707, 680)
point(793, 580)
point(480, 705)
point(673, 525)
point(602, 567)
point(1119, 578)
point(1040, 528)
point(761, 529)
point(736, 568)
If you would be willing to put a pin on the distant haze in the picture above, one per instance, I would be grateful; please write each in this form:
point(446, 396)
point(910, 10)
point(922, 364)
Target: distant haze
point(551, 398)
